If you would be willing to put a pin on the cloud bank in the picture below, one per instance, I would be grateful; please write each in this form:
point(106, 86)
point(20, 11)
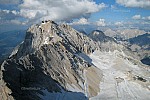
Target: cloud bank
point(10, 1)
point(139, 17)
point(118, 24)
point(135, 3)
point(81, 21)
point(136, 17)
point(34, 11)
point(58, 10)
point(101, 22)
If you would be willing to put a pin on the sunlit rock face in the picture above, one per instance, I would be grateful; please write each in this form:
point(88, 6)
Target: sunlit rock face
point(56, 61)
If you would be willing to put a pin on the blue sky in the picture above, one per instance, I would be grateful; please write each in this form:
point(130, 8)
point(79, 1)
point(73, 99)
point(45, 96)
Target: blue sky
point(119, 12)
point(79, 12)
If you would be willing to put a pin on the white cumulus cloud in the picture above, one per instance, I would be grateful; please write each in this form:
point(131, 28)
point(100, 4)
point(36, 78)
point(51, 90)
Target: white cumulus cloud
point(15, 21)
point(118, 23)
point(58, 10)
point(135, 3)
point(81, 21)
point(8, 14)
point(136, 17)
point(146, 18)
point(139, 17)
point(101, 22)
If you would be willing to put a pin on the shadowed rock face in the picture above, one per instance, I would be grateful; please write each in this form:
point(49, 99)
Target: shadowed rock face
point(25, 77)
point(141, 45)
point(146, 61)
point(141, 40)
point(49, 58)
point(4, 90)
point(98, 35)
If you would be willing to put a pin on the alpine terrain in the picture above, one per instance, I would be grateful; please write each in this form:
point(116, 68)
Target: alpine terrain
point(56, 62)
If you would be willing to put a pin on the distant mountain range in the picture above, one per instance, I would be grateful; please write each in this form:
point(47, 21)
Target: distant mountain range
point(141, 44)
point(141, 40)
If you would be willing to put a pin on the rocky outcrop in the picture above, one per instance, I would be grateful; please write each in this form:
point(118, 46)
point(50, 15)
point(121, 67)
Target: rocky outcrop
point(4, 90)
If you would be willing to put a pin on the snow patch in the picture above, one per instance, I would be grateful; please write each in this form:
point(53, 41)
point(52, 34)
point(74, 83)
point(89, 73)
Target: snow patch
point(62, 95)
point(46, 40)
point(73, 88)
point(115, 84)
point(85, 84)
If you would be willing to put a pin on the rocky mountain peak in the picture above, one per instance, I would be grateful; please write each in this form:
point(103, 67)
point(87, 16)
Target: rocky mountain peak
point(98, 35)
point(45, 33)
point(39, 35)
point(55, 54)
point(50, 33)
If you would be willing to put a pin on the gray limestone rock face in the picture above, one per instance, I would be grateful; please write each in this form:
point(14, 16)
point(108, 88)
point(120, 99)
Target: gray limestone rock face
point(49, 59)
point(4, 90)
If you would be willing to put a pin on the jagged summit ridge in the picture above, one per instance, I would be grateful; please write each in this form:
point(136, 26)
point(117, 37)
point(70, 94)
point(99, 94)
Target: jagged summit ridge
point(48, 32)
point(38, 35)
